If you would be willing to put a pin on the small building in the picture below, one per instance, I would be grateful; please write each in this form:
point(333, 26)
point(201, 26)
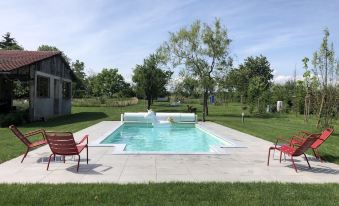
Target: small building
point(49, 79)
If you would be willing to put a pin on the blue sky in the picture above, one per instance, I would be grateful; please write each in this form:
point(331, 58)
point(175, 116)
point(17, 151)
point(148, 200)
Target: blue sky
point(121, 34)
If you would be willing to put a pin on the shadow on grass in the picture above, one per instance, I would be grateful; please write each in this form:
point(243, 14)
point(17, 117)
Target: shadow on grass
point(330, 158)
point(69, 119)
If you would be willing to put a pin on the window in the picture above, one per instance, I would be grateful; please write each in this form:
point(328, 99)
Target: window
point(66, 90)
point(42, 86)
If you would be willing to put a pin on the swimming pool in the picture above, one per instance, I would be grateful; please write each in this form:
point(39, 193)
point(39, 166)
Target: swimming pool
point(172, 138)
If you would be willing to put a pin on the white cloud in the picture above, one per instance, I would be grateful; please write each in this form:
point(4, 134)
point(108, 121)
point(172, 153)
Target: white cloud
point(281, 79)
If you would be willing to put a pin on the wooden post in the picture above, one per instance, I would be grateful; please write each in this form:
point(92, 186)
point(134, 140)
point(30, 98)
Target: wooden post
point(31, 81)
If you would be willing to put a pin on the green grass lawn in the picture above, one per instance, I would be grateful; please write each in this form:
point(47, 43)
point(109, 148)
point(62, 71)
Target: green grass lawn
point(171, 194)
point(266, 127)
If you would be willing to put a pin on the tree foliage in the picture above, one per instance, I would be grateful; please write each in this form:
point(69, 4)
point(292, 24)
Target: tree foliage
point(252, 79)
point(80, 83)
point(45, 47)
point(325, 68)
point(107, 83)
point(187, 86)
point(203, 50)
point(9, 43)
point(150, 79)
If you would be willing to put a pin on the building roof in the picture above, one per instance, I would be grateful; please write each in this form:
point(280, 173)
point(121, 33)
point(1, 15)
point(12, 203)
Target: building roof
point(14, 59)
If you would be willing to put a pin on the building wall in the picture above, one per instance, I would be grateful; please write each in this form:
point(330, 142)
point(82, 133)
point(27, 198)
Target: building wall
point(55, 104)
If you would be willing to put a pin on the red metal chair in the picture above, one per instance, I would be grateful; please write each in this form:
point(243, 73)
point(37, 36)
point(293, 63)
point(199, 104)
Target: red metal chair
point(298, 139)
point(24, 139)
point(63, 143)
point(294, 151)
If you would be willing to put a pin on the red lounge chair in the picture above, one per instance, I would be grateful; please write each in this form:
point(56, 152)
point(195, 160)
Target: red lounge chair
point(24, 139)
point(298, 139)
point(293, 150)
point(63, 143)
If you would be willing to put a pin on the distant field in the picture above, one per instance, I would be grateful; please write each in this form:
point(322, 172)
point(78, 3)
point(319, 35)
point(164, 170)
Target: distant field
point(104, 102)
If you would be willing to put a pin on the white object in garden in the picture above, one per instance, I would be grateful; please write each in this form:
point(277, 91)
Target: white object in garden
point(150, 116)
point(279, 106)
point(268, 109)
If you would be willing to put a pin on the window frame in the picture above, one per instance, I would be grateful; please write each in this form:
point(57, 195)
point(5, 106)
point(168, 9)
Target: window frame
point(48, 88)
point(64, 90)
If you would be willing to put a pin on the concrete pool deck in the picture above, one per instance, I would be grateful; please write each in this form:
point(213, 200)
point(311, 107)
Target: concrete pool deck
point(246, 164)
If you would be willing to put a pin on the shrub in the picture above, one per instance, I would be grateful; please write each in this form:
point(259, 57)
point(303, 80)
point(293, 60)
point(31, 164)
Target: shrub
point(104, 102)
point(16, 118)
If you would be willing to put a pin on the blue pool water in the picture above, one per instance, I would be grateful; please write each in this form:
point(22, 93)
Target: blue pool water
point(163, 138)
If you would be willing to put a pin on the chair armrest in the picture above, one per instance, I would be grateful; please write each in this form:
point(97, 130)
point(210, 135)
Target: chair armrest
point(299, 138)
point(281, 139)
point(33, 133)
point(303, 132)
point(83, 139)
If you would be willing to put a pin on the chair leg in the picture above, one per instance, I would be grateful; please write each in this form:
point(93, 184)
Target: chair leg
point(64, 158)
point(280, 156)
point(78, 163)
point(87, 152)
point(316, 154)
point(307, 161)
point(295, 167)
point(25, 154)
point(268, 158)
point(49, 160)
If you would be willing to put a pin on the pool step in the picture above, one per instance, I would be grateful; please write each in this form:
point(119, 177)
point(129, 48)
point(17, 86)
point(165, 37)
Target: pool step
point(118, 148)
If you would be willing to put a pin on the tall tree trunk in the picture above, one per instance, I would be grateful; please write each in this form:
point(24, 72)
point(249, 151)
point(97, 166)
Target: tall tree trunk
point(149, 101)
point(321, 108)
point(305, 109)
point(204, 106)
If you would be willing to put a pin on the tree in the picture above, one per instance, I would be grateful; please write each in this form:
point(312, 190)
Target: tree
point(252, 68)
point(187, 86)
point(256, 88)
point(9, 43)
point(307, 85)
point(239, 81)
point(45, 47)
point(202, 49)
point(80, 85)
point(325, 68)
point(107, 83)
point(150, 79)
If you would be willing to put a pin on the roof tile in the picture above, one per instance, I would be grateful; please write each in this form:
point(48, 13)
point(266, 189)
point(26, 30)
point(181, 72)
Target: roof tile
point(14, 59)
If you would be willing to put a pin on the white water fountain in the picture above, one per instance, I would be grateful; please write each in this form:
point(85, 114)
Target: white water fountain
point(150, 117)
